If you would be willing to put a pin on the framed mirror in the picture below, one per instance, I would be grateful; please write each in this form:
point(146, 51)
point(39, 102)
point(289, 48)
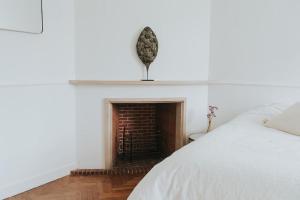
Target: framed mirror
point(21, 15)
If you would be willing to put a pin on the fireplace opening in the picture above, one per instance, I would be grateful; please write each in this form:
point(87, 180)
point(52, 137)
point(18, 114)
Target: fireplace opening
point(145, 133)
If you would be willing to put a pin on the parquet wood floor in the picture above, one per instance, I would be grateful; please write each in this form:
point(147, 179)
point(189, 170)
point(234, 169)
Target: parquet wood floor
point(83, 188)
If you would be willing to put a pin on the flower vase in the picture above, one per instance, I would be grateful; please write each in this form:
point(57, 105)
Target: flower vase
point(209, 126)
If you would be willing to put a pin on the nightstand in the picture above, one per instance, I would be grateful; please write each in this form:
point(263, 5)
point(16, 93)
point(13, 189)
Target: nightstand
point(195, 136)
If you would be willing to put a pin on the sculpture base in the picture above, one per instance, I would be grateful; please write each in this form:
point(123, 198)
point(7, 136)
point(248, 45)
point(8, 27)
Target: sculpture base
point(147, 80)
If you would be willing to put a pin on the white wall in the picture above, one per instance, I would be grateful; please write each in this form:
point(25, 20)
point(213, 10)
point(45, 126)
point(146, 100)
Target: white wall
point(257, 42)
point(106, 35)
point(37, 106)
point(235, 99)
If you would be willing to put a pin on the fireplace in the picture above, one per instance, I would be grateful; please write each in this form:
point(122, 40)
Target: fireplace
point(143, 130)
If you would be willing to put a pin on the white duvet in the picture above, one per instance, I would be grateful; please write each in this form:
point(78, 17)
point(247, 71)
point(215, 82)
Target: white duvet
point(241, 160)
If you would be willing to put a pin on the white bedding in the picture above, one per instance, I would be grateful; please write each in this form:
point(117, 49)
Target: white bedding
point(241, 160)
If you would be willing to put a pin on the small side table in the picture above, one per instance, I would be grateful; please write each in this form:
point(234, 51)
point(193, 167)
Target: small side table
point(195, 136)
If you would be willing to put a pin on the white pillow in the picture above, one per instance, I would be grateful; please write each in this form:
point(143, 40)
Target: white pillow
point(288, 121)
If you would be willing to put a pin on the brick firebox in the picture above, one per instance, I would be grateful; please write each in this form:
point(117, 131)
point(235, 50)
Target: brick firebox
point(138, 133)
point(140, 129)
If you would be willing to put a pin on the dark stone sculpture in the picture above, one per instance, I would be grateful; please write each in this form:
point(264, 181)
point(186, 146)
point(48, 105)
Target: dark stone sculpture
point(147, 47)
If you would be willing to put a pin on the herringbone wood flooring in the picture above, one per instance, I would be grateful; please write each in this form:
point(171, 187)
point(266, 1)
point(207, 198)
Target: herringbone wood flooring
point(83, 188)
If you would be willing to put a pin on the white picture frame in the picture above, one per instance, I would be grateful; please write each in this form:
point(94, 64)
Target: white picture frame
point(21, 16)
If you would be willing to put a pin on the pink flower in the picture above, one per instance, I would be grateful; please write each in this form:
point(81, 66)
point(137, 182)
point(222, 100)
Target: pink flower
point(211, 114)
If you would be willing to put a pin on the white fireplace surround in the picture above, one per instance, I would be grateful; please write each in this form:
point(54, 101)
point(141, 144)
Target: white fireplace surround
point(180, 122)
point(93, 113)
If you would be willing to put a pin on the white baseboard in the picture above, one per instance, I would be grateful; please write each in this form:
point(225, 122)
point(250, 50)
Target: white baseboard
point(27, 184)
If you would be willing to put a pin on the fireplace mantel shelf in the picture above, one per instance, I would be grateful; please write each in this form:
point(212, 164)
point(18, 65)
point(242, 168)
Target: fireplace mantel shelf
point(127, 82)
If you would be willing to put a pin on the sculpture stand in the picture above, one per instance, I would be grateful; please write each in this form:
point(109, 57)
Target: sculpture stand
point(147, 75)
point(147, 48)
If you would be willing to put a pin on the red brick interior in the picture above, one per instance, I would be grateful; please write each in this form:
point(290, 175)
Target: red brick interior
point(137, 121)
point(144, 131)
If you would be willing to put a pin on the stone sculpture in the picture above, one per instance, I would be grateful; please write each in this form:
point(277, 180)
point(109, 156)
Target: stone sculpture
point(147, 48)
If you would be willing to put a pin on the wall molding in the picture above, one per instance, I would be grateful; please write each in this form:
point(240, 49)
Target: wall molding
point(152, 83)
point(6, 85)
point(252, 84)
point(33, 182)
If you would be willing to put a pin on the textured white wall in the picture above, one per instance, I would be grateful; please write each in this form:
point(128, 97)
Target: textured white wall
point(253, 41)
point(37, 106)
point(107, 32)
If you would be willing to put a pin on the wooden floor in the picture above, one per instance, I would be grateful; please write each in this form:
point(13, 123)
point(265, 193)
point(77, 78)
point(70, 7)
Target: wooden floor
point(83, 188)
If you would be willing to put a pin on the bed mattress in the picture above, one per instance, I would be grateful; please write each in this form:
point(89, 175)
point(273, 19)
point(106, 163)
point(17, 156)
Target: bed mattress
point(241, 160)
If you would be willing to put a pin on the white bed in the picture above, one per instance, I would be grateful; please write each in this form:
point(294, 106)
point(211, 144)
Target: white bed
point(241, 160)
